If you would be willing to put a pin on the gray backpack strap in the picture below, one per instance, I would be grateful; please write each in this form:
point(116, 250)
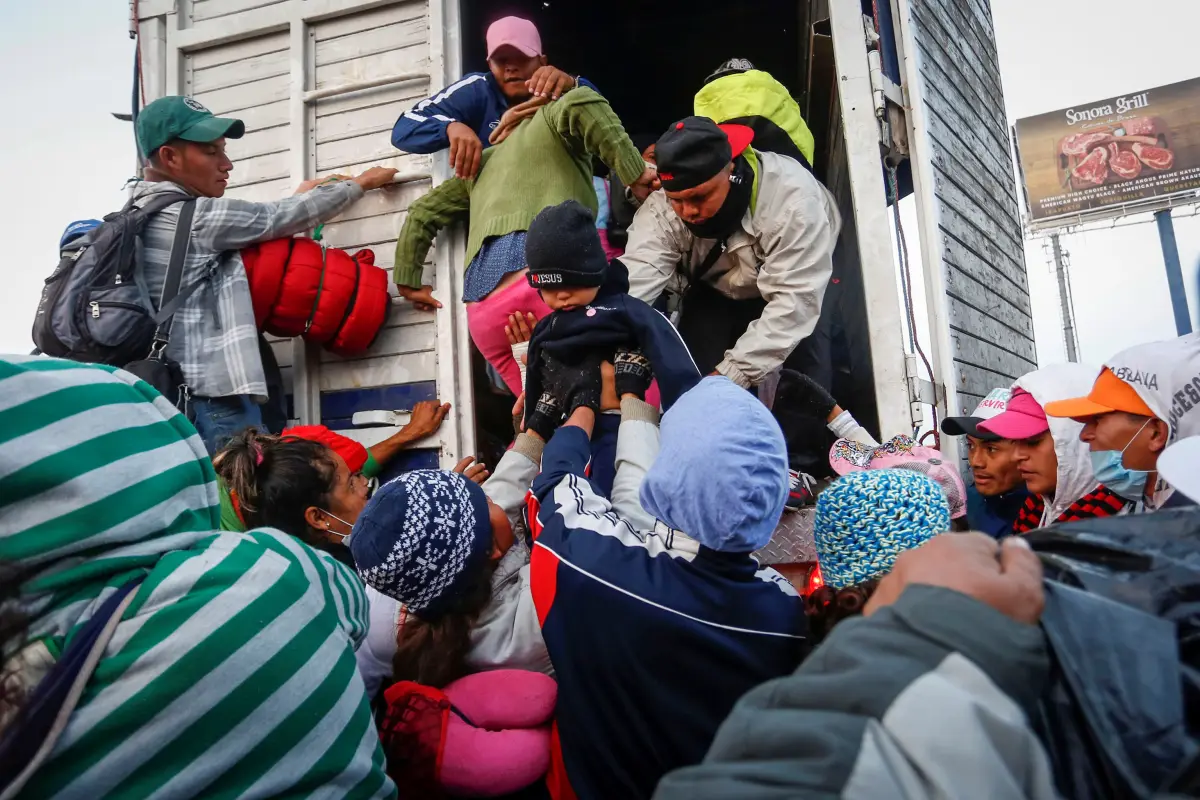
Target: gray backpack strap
point(171, 298)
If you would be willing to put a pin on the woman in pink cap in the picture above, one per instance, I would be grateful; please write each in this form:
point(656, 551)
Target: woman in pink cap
point(1053, 462)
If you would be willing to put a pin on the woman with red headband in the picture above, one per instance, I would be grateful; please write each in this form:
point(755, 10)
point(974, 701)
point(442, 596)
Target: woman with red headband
point(311, 482)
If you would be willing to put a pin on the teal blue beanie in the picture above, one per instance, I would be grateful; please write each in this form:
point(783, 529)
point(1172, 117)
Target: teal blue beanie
point(865, 520)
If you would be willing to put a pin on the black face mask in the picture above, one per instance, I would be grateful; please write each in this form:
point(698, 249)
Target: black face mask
point(726, 222)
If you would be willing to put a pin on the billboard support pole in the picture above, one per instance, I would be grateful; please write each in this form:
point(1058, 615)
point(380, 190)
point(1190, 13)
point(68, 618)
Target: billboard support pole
point(1179, 304)
point(1064, 298)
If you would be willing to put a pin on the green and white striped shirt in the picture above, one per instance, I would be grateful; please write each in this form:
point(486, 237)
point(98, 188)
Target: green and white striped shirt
point(232, 673)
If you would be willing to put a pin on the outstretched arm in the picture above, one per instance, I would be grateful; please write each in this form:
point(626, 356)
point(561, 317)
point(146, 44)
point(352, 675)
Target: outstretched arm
point(442, 206)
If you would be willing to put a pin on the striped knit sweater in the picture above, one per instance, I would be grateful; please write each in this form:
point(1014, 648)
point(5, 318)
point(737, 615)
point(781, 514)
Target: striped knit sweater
point(232, 673)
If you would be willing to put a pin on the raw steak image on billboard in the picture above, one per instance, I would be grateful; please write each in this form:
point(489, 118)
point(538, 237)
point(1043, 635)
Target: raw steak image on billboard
point(1110, 157)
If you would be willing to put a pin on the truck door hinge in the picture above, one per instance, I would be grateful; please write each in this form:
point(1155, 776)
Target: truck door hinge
point(920, 391)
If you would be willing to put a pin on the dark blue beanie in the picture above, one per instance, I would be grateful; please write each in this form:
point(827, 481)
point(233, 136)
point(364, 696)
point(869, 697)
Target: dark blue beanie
point(422, 538)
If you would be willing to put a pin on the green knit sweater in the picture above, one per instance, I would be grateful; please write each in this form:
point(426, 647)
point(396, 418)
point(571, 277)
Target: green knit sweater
point(546, 160)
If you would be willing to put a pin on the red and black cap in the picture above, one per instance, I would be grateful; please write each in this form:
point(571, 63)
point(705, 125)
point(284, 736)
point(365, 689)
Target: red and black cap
point(695, 149)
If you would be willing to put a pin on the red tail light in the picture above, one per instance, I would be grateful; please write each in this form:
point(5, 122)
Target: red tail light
point(814, 581)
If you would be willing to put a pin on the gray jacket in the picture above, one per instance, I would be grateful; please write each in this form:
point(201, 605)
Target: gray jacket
point(924, 699)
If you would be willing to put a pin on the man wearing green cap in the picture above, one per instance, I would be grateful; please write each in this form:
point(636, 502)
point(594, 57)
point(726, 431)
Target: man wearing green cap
point(214, 338)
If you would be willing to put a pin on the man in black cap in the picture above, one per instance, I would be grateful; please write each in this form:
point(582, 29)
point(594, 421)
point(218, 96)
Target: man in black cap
point(751, 235)
point(997, 491)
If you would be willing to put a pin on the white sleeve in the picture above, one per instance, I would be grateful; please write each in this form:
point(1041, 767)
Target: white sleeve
point(637, 447)
point(654, 249)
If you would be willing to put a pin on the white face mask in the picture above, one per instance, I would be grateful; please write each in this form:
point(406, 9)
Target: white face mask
point(345, 536)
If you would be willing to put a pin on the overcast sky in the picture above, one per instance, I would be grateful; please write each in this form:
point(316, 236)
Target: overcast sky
point(68, 64)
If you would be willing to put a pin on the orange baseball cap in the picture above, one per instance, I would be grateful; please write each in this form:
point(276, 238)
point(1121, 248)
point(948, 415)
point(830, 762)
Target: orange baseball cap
point(1109, 393)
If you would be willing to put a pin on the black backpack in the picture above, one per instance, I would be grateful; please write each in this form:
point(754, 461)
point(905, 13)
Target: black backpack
point(92, 309)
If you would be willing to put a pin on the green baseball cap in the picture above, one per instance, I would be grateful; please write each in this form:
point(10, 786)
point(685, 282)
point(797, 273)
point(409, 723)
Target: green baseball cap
point(178, 117)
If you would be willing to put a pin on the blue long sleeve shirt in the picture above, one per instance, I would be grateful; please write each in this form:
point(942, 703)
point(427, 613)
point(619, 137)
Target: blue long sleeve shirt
point(475, 100)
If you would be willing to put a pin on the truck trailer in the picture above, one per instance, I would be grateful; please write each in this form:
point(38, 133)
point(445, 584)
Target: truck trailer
point(902, 96)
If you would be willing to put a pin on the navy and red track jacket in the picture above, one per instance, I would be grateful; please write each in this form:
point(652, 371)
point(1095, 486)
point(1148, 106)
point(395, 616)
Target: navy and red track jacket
point(652, 642)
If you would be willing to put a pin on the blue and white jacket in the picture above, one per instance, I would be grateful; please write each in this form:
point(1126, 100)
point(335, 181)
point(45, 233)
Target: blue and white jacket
point(474, 100)
point(653, 636)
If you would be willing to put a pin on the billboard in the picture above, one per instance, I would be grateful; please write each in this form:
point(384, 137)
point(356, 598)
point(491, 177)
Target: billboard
point(1095, 160)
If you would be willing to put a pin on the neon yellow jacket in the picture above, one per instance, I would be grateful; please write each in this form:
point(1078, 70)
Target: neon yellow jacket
point(755, 93)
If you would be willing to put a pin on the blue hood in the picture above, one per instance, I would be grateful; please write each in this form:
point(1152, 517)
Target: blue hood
point(721, 475)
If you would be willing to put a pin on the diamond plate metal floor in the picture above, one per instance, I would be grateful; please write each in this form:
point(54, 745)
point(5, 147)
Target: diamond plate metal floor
point(792, 541)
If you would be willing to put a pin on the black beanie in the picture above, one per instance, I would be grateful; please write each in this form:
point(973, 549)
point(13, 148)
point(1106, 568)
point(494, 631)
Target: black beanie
point(562, 248)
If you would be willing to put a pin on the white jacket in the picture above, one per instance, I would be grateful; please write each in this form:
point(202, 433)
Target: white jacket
point(1075, 476)
point(783, 254)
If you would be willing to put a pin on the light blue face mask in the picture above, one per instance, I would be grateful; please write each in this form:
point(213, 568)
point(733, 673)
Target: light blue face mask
point(1110, 470)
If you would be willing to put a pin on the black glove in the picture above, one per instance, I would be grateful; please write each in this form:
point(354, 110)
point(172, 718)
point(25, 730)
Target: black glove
point(633, 373)
point(799, 393)
point(573, 385)
point(545, 416)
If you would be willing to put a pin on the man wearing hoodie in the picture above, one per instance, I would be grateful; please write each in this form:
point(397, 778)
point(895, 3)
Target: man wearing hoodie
point(214, 338)
point(655, 632)
point(1052, 460)
point(230, 669)
point(997, 491)
point(1144, 398)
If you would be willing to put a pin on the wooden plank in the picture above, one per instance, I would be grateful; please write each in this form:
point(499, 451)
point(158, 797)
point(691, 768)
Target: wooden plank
point(968, 151)
point(247, 70)
point(978, 380)
point(265, 192)
point(967, 318)
point(988, 302)
point(245, 96)
point(954, 224)
point(367, 149)
point(367, 20)
point(393, 62)
point(377, 118)
point(352, 233)
point(369, 372)
point(399, 97)
point(403, 313)
point(960, 42)
point(984, 118)
point(936, 51)
point(409, 33)
point(982, 192)
point(257, 143)
point(257, 118)
point(390, 200)
point(211, 9)
point(965, 266)
point(984, 213)
point(270, 167)
point(976, 34)
point(397, 342)
point(211, 57)
point(986, 356)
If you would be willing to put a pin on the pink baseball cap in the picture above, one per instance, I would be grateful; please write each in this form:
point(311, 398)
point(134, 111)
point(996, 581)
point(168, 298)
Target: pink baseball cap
point(1023, 418)
point(902, 452)
point(514, 32)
